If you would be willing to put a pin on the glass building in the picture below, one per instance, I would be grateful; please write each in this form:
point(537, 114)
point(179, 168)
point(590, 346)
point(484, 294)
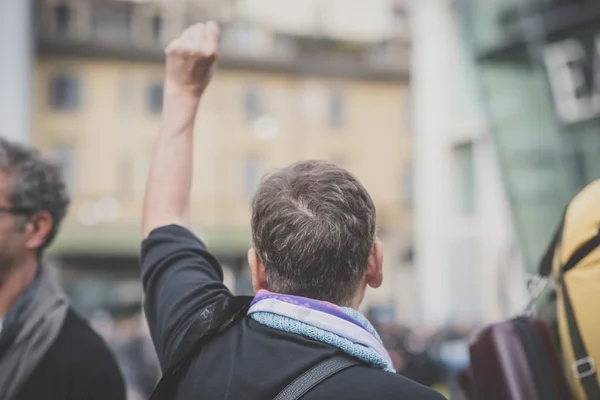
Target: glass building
point(538, 68)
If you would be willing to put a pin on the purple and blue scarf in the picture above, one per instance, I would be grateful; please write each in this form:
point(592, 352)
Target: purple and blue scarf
point(341, 327)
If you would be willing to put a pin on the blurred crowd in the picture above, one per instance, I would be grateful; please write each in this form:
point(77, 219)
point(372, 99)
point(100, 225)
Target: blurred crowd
point(129, 338)
point(430, 357)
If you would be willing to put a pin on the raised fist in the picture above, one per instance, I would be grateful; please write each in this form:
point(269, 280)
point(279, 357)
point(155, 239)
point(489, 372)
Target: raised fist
point(191, 58)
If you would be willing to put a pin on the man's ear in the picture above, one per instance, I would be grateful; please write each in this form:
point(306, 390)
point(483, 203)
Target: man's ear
point(257, 269)
point(375, 265)
point(37, 229)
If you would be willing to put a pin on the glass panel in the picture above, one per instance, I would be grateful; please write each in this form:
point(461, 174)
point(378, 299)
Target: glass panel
point(537, 167)
point(543, 103)
point(588, 150)
point(486, 19)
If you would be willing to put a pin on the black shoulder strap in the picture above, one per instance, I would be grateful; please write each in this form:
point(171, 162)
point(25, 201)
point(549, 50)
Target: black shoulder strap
point(581, 253)
point(213, 319)
point(545, 266)
point(584, 366)
point(317, 374)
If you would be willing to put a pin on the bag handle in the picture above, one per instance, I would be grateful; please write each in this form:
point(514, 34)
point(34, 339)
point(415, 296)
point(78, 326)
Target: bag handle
point(317, 374)
point(538, 282)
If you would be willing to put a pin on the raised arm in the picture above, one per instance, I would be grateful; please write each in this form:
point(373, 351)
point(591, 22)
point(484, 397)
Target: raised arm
point(190, 61)
point(180, 276)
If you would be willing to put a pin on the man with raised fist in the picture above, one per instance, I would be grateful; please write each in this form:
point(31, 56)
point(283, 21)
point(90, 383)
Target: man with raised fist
point(314, 253)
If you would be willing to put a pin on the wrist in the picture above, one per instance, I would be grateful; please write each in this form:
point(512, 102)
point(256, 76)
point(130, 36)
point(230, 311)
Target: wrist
point(183, 93)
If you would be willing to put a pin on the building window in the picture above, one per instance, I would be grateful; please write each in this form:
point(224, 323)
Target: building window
point(157, 27)
point(336, 109)
point(112, 21)
point(252, 174)
point(466, 177)
point(252, 103)
point(64, 155)
point(65, 92)
point(154, 98)
point(62, 18)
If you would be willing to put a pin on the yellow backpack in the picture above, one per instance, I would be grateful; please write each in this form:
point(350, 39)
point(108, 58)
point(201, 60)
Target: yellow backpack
point(573, 259)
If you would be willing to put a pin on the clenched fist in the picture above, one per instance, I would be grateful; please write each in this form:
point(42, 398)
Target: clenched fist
point(191, 58)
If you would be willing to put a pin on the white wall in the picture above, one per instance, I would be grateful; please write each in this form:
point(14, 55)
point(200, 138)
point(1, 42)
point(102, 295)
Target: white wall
point(465, 270)
point(430, 92)
point(15, 69)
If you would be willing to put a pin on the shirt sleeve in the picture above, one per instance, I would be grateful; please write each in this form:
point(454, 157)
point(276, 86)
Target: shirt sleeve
point(180, 277)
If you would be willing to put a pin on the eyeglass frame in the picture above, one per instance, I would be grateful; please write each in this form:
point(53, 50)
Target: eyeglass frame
point(17, 210)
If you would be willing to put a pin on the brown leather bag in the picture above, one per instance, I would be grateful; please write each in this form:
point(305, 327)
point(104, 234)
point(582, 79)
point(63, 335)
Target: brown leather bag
point(515, 360)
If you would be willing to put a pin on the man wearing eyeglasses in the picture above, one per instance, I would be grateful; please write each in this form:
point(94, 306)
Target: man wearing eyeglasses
point(46, 350)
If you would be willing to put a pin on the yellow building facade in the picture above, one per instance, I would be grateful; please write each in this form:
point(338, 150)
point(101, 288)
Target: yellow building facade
point(97, 103)
point(108, 137)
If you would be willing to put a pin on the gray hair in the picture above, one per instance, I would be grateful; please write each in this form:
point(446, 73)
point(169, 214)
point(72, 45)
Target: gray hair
point(36, 183)
point(313, 226)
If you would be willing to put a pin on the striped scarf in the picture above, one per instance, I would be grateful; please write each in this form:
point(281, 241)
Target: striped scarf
point(341, 327)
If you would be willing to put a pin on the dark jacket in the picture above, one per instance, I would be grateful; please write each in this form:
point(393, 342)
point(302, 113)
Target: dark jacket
point(78, 366)
point(248, 360)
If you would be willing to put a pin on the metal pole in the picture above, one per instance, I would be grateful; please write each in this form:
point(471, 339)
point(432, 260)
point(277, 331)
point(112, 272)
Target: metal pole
point(16, 47)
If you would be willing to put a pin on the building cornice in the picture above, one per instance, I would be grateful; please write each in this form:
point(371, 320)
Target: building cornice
point(303, 65)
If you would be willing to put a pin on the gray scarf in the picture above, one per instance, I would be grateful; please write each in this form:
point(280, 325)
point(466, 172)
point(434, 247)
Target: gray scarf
point(29, 330)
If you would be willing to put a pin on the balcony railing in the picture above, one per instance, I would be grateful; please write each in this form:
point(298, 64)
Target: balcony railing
point(110, 29)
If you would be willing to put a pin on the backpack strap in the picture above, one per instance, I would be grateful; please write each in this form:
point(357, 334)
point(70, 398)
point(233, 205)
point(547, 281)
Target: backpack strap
point(213, 319)
point(584, 366)
point(317, 374)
